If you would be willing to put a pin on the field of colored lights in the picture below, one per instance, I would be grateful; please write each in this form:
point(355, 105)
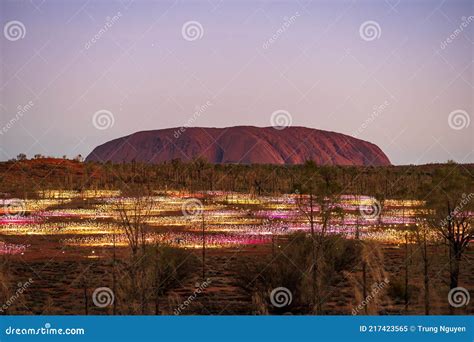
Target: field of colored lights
point(90, 220)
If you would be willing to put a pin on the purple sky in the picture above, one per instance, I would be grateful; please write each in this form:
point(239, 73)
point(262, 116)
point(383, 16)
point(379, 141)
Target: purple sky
point(251, 58)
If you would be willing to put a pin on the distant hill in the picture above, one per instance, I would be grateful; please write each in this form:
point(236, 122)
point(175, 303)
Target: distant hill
point(241, 144)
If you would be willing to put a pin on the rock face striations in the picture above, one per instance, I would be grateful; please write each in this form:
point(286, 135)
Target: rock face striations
point(241, 144)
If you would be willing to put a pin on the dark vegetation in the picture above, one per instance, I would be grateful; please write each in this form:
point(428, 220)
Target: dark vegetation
point(20, 177)
point(312, 264)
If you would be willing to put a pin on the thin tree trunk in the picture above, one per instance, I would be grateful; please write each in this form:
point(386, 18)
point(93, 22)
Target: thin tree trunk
point(454, 273)
point(86, 299)
point(313, 252)
point(364, 285)
point(114, 276)
point(454, 277)
point(426, 278)
point(406, 273)
point(203, 250)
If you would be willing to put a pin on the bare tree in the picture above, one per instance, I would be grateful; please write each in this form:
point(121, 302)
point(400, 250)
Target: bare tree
point(5, 290)
point(133, 211)
point(134, 207)
point(450, 204)
point(422, 237)
point(322, 207)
